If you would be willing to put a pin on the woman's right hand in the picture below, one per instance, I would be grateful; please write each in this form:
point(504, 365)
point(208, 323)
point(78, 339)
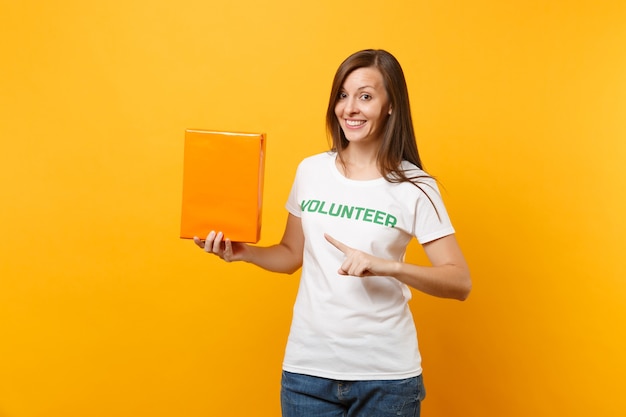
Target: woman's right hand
point(216, 244)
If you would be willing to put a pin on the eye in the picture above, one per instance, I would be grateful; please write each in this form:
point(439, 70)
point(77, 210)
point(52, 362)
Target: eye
point(366, 97)
point(341, 95)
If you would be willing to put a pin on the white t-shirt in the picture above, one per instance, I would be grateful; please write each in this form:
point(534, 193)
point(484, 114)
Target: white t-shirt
point(345, 327)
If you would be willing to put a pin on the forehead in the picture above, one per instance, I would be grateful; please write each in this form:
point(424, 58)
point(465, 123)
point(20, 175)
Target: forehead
point(364, 77)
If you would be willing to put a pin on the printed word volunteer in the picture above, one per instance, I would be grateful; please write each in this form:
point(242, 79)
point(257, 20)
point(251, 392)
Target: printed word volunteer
point(349, 212)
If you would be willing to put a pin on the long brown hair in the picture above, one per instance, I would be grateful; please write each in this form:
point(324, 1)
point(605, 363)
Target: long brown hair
point(399, 142)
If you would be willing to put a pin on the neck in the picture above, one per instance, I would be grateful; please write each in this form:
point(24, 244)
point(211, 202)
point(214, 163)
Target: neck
point(358, 163)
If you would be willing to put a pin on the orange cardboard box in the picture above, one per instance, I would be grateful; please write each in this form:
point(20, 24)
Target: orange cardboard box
point(223, 184)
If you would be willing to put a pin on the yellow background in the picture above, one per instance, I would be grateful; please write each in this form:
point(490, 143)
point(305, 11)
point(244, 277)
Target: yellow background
point(520, 108)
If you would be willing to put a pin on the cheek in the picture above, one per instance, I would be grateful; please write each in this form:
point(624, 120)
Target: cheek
point(338, 110)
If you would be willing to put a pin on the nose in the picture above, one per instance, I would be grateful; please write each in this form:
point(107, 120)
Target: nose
point(350, 106)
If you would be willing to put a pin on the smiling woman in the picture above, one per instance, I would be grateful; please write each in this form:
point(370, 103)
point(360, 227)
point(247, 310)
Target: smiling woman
point(375, 172)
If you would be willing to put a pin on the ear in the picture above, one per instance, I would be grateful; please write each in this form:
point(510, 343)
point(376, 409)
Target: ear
point(389, 110)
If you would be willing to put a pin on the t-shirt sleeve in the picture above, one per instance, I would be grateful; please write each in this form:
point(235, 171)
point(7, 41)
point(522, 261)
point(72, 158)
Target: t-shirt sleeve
point(292, 205)
point(431, 220)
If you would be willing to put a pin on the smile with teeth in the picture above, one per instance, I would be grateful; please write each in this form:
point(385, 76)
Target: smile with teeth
point(355, 123)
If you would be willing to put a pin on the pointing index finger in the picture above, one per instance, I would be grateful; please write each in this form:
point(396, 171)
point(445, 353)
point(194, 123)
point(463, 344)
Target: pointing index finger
point(339, 245)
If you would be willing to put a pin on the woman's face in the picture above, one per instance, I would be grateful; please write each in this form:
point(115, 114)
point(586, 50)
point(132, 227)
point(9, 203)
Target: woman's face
point(363, 105)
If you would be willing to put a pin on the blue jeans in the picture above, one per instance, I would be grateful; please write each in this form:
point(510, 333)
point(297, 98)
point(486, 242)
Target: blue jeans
point(311, 396)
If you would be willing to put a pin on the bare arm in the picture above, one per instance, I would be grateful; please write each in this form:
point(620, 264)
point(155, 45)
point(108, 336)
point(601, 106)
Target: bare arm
point(448, 277)
point(284, 257)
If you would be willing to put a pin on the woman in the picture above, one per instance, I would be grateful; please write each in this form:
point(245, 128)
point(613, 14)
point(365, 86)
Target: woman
point(352, 348)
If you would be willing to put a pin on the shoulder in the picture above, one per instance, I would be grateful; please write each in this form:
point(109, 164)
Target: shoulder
point(417, 175)
point(322, 156)
point(420, 184)
point(411, 169)
point(316, 161)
